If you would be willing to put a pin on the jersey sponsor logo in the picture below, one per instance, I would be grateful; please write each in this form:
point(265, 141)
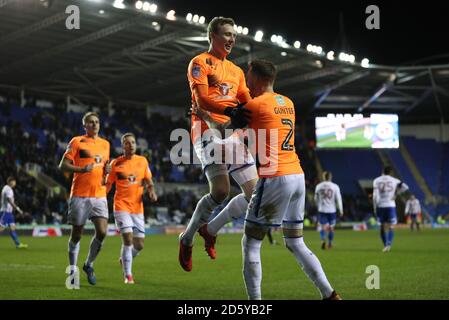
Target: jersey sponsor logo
point(196, 71)
point(121, 176)
point(212, 80)
point(85, 154)
point(280, 100)
point(132, 178)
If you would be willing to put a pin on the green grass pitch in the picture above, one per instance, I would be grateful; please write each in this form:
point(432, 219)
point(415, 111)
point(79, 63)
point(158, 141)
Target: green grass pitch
point(354, 139)
point(416, 268)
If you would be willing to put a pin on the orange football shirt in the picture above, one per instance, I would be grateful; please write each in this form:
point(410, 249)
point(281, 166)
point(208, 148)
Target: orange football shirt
point(275, 114)
point(84, 150)
point(128, 176)
point(225, 81)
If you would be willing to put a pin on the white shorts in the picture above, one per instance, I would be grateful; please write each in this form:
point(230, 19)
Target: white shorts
point(81, 209)
point(228, 156)
point(278, 201)
point(127, 223)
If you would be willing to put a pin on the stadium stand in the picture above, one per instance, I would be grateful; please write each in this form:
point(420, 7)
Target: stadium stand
point(40, 136)
point(405, 174)
point(143, 69)
point(427, 154)
point(32, 135)
point(445, 174)
point(358, 164)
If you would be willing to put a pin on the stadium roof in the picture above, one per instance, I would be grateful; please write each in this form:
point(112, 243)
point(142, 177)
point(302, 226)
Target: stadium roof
point(132, 57)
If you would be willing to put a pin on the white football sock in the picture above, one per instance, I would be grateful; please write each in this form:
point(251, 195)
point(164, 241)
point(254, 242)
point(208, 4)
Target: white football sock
point(135, 252)
point(200, 216)
point(252, 267)
point(127, 259)
point(74, 249)
point(309, 264)
point(94, 249)
point(234, 209)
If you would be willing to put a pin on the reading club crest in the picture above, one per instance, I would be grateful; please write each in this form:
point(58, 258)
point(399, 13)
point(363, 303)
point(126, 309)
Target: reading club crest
point(97, 158)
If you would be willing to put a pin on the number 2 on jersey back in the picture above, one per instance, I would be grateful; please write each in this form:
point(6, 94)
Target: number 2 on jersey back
point(285, 145)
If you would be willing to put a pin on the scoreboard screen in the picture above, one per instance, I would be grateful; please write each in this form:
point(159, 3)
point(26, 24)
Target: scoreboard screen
point(356, 131)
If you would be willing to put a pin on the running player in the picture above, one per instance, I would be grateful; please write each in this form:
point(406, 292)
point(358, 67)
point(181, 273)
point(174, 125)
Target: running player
point(130, 173)
point(87, 157)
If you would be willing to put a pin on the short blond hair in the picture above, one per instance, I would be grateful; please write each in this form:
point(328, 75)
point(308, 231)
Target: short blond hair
point(90, 114)
point(128, 134)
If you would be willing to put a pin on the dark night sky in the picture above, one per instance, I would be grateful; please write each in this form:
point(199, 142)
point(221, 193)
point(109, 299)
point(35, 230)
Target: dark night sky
point(408, 31)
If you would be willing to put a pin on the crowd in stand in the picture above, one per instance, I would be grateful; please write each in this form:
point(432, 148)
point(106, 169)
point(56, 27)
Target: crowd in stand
point(19, 146)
